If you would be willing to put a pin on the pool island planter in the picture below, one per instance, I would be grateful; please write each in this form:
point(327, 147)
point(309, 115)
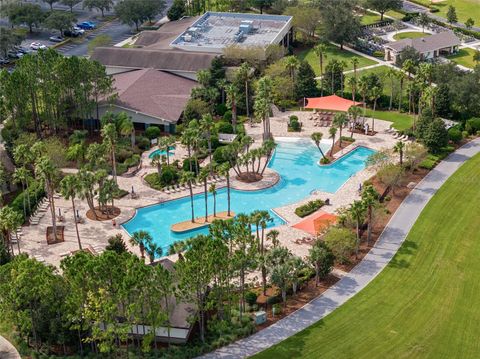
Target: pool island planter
point(186, 226)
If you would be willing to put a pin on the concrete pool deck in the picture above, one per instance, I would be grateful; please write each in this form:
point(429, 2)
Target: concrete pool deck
point(95, 234)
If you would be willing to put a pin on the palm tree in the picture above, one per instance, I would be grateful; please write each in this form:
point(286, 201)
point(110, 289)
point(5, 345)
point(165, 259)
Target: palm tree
point(213, 190)
point(231, 91)
point(153, 250)
point(342, 65)
point(69, 187)
point(207, 125)
point(126, 128)
point(203, 176)
point(370, 199)
point(188, 177)
point(399, 148)
point(357, 211)
point(401, 78)
point(354, 112)
point(352, 83)
point(48, 173)
point(243, 74)
point(23, 176)
point(340, 120)
point(408, 67)
point(263, 103)
point(320, 50)
point(158, 161)
point(355, 61)
point(391, 75)
point(10, 221)
point(317, 138)
point(291, 64)
point(224, 170)
point(423, 20)
point(332, 131)
point(272, 235)
point(109, 134)
point(141, 238)
point(375, 93)
point(363, 88)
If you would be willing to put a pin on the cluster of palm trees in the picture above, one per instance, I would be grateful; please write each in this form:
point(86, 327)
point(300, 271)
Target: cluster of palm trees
point(146, 244)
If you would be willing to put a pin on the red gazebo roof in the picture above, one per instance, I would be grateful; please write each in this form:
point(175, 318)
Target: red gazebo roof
point(331, 103)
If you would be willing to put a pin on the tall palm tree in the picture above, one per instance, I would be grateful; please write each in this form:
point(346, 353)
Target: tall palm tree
point(357, 211)
point(375, 94)
point(126, 128)
point(158, 161)
point(231, 91)
point(342, 65)
point(263, 103)
point(401, 78)
point(10, 221)
point(354, 112)
point(408, 67)
point(213, 190)
point(340, 120)
point(48, 173)
point(370, 200)
point(399, 148)
point(320, 50)
point(355, 61)
point(203, 176)
point(272, 235)
point(362, 86)
point(109, 134)
point(317, 138)
point(392, 75)
point(332, 131)
point(243, 74)
point(207, 126)
point(188, 177)
point(153, 250)
point(23, 176)
point(141, 238)
point(69, 187)
point(224, 170)
point(291, 64)
point(187, 140)
point(352, 83)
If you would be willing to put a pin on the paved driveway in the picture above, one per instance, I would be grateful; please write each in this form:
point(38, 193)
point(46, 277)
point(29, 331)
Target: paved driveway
point(389, 242)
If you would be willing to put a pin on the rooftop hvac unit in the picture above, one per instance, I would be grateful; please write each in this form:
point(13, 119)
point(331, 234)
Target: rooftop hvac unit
point(187, 38)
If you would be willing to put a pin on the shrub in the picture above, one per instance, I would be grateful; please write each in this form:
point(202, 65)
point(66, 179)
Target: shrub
point(220, 155)
point(116, 244)
point(455, 135)
point(309, 208)
point(123, 153)
point(169, 175)
point(251, 298)
point(36, 192)
point(143, 143)
point(186, 164)
point(274, 300)
point(294, 125)
point(224, 127)
point(465, 134)
point(220, 109)
point(324, 161)
point(435, 136)
point(472, 125)
point(379, 54)
point(348, 139)
point(152, 132)
point(132, 161)
point(341, 241)
point(227, 116)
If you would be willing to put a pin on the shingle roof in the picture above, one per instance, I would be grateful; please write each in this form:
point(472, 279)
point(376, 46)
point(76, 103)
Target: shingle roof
point(153, 59)
point(152, 92)
point(427, 43)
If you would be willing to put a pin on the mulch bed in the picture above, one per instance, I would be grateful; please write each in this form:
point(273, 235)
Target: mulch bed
point(108, 213)
point(249, 177)
point(59, 238)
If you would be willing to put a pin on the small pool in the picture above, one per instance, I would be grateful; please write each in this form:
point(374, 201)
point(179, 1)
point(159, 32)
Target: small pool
point(296, 160)
point(162, 152)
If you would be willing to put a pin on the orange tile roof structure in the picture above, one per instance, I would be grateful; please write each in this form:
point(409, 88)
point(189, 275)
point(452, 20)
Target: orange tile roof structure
point(331, 103)
point(316, 222)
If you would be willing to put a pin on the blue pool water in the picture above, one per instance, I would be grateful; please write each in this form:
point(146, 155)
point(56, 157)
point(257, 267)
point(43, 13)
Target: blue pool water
point(162, 152)
point(297, 163)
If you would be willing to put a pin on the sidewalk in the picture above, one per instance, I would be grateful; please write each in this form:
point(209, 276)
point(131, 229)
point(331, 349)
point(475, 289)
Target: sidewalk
point(7, 350)
point(374, 262)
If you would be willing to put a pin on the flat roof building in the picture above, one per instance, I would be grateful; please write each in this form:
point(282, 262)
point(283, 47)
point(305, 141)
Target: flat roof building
point(214, 31)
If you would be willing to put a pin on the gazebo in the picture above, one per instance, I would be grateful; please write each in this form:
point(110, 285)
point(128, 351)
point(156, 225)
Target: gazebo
point(330, 103)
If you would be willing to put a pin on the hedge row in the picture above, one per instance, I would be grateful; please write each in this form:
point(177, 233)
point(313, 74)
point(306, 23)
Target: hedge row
point(309, 208)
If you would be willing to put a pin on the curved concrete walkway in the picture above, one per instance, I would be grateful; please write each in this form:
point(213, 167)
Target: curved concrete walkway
point(389, 242)
point(7, 350)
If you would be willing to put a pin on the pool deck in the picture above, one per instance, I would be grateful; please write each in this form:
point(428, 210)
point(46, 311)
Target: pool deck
point(95, 234)
point(199, 222)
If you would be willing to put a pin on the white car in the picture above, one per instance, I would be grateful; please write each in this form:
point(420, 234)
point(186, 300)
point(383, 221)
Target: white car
point(37, 46)
point(78, 30)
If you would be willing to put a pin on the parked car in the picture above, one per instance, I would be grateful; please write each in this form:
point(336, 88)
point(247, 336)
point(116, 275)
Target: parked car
point(86, 25)
point(71, 33)
point(37, 46)
point(13, 54)
point(4, 61)
point(23, 50)
point(56, 38)
point(80, 31)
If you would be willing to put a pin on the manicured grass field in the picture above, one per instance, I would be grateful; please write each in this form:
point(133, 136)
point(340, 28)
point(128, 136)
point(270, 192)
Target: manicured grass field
point(369, 18)
point(333, 53)
point(465, 8)
point(426, 303)
point(464, 57)
point(401, 121)
point(410, 35)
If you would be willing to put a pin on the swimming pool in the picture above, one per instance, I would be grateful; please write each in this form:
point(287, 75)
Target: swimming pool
point(162, 152)
point(296, 160)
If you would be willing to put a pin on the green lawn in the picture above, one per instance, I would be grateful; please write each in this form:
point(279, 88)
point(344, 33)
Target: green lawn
point(333, 53)
point(401, 121)
point(425, 303)
point(409, 35)
point(464, 57)
point(465, 8)
point(369, 18)
point(381, 72)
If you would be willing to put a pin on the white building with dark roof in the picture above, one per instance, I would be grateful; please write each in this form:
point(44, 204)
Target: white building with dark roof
point(429, 47)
